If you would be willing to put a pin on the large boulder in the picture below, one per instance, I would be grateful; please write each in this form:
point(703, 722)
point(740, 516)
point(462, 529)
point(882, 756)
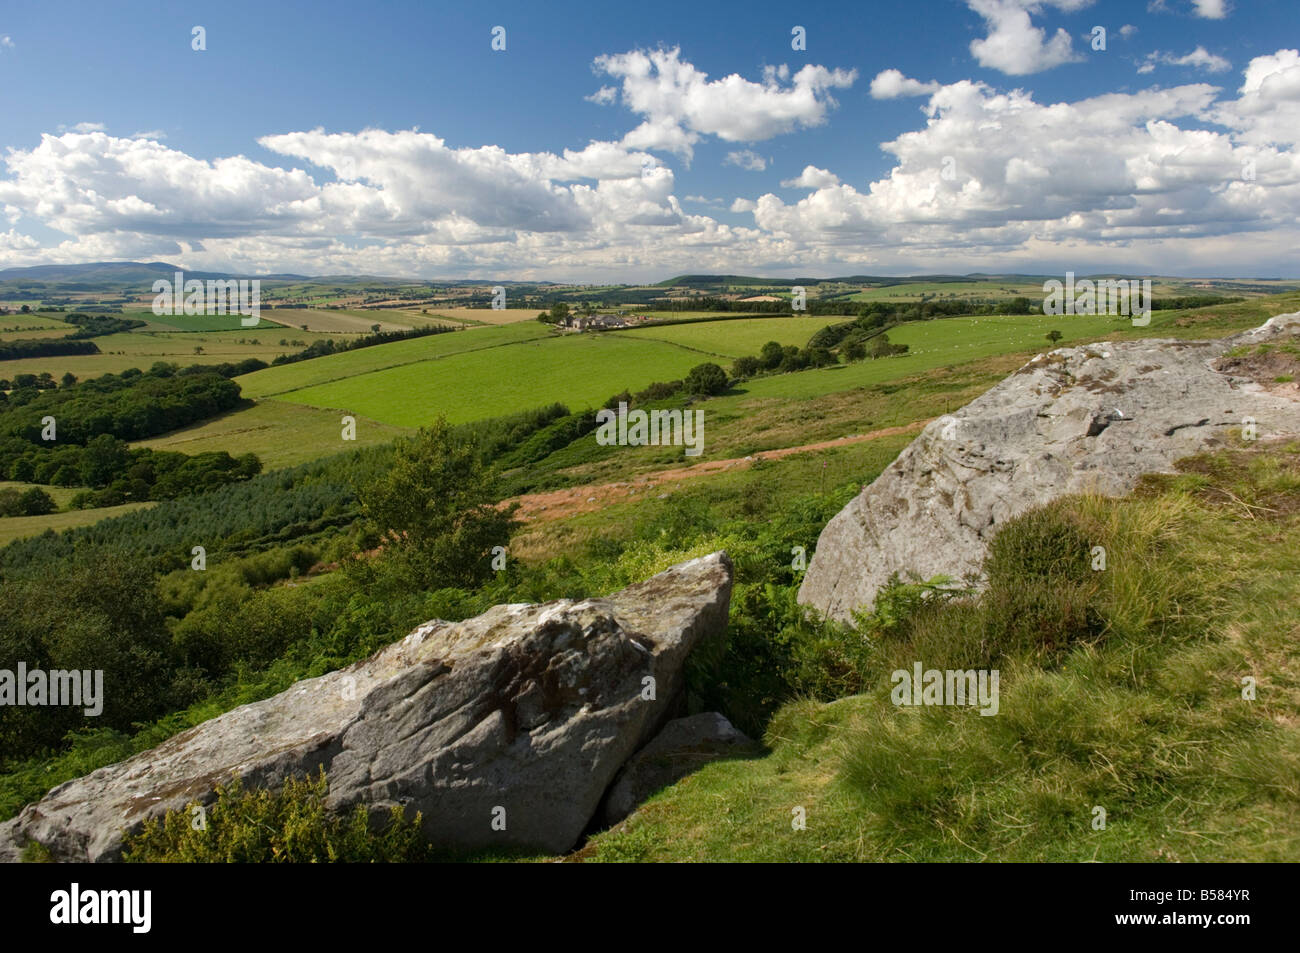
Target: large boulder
point(683, 747)
point(1075, 420)
point(527, 708)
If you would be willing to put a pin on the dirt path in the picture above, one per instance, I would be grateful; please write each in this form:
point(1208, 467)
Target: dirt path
point(557, 504)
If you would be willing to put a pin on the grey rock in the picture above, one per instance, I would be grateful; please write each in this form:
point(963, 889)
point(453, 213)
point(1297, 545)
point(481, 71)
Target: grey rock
point(1075, 420)
point(530, 708)
point(684, 746)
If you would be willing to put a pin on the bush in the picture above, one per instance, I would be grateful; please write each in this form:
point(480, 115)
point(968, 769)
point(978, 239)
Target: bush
point(706, 379)
point(290, 825)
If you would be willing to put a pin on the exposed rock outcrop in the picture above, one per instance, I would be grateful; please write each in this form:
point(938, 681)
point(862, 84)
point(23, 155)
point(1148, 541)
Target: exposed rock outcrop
point(1080, 419)
point(685, 745)
point(530, 708)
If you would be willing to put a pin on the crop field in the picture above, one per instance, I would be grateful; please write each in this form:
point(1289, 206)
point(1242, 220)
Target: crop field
point(578, 370)
point(280, 433)
point(333, 367)
point(732, 339)
point(487, 315)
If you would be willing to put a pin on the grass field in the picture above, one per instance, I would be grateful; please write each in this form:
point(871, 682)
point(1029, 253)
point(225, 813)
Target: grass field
point(348, 322)
point(579, 370)
point(733, 339)
point(487, 315)
point(19, 527)
point(201, 322)
point(280, 433)
point(321, 370)
point(142, 348)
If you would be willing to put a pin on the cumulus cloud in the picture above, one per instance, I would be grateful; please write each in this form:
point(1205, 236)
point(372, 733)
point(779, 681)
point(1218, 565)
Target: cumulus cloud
point(1156, 175)
point(1127, 30)
point(1199, 58)
point(680, 103)
point(1210, 9)
point(6, 42)
point(747, 159)
point(1019, 178)
point(812, 178)
point(891, 84)
point(1013, 44)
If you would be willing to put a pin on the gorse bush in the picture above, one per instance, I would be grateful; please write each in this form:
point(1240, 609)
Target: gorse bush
point(288, 825)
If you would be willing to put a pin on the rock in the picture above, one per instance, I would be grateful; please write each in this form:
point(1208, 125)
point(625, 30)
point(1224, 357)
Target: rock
point(533, 708)
point(684, 746)
point(1080, 419)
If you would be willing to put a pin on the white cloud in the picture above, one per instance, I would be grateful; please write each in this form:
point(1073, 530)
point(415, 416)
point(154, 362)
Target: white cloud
point(1210, 9)
point(747, 159)
point(150, 134)
point(1199, 58)
point(1013, 44)
point(6, 43)
point(812, 178)
point(680, 103)
point(1022, 181)
point(603, 96)
point(84, 127)
point(891, 84)
point(1153, 176)
point(1127, 30)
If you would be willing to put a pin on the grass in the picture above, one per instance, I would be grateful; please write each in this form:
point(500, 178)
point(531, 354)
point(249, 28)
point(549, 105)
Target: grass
point(1147, 720)
point(579, 370)
point(145, 346)
point(728, 340)
point(338, 367)
point(20, 527)
point(280, 433)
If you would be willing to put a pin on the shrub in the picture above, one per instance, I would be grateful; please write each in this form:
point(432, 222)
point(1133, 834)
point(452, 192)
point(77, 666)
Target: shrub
point(289, 825)
point(706, 379)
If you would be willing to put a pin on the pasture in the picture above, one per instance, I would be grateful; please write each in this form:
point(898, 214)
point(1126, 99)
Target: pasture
point(579, 370)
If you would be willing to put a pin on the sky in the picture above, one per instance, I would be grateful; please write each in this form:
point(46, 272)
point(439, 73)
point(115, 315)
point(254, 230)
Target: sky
point(626, 142)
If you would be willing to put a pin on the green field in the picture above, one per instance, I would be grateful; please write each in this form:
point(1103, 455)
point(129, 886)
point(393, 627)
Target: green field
point(280, 433)
point(201, 322)
point(733, 339)
point(143, 347)
point(579, 370)
point(335, 367)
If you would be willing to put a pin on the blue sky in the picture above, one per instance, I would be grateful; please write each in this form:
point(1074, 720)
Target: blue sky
point(391, 137)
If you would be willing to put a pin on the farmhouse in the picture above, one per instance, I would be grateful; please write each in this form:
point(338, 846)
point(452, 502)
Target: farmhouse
point(603, 322)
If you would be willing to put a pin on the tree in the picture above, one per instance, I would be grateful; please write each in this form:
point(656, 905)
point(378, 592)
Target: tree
point(853, 351)
point(745, 367)
point(771, 355)
point(559, 311)
point(374, 328)
point(434, 506)
point(706, 379)
point(69, 379)
point(1054, 335)
point(36, 502)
